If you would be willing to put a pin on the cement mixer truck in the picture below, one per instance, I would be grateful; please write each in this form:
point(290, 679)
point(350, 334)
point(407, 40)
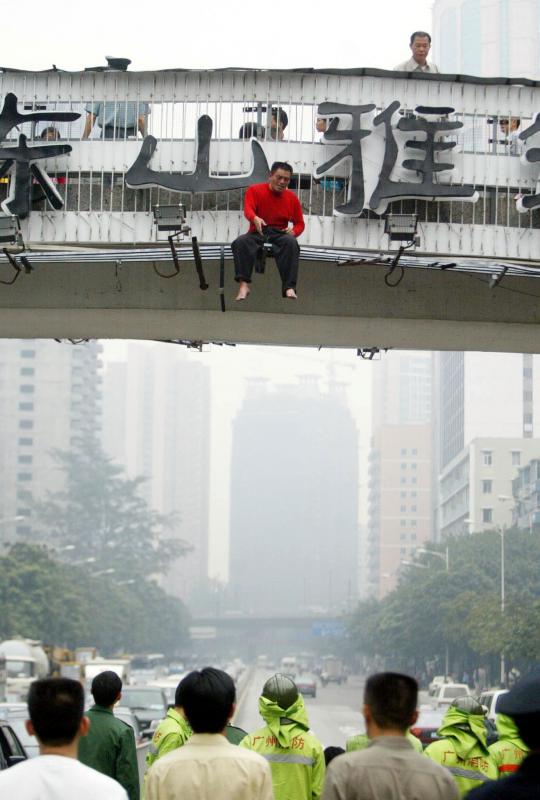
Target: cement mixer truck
point(25, 661)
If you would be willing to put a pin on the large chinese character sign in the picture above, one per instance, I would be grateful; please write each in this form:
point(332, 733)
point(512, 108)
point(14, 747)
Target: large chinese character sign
point(19, 159)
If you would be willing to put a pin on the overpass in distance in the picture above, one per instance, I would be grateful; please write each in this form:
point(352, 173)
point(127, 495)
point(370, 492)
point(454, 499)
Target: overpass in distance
point(91, 265)
point(252, 635)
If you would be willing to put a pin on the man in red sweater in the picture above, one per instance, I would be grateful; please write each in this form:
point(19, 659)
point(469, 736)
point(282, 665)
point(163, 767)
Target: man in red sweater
point(270, 207)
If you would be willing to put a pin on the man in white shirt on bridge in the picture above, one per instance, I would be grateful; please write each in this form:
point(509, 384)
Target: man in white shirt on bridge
point(420, 45)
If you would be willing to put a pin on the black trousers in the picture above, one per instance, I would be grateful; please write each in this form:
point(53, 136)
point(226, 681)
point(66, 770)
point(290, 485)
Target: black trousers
point(285, 250)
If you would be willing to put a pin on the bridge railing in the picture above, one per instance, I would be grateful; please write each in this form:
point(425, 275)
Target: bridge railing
point(433, 146)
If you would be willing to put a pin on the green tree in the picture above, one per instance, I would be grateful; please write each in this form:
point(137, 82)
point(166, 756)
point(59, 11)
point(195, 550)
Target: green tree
point(100, 515)
point(40, 598)
point(432, 608)
point(64, 605)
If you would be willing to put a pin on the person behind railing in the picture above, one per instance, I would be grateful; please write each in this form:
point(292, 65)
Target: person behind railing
point(278, 122)
point(117, 120)
point(323, 124)
point(251, 130)
point(269, 208)
point(509, 127)
point(420, 44)
point(50, 134)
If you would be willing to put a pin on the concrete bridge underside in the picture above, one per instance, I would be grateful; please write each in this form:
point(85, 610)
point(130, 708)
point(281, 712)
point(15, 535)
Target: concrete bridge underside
point(338, 306)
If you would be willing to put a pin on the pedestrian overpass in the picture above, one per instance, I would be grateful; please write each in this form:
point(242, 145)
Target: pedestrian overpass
point(91, 262)
point(252, 635)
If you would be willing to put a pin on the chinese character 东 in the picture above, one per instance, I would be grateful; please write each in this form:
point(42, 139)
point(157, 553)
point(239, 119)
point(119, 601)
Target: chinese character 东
point(20, 158)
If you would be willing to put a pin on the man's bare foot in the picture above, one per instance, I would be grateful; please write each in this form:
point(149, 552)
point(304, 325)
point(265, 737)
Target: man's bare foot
point(243, 291)
point(291, 294)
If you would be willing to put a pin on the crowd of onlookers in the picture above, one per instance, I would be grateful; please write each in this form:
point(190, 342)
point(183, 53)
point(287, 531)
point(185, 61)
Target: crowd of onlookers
point(196, 754)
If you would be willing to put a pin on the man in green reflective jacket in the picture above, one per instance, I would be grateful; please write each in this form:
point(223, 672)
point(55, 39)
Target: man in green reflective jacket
point(109, 746)
point(172, 732)
point(510, 750)
point(462, 748)
point(295, 755)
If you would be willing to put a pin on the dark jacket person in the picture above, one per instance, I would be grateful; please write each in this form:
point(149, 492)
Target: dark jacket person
point(109, 746)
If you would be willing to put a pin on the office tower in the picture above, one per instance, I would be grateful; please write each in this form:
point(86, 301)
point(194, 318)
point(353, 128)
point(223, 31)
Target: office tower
point(294, 498)
point(400, 470)
point(156, 423)
point(50, 399)
point(490, 38)
point(488, 426)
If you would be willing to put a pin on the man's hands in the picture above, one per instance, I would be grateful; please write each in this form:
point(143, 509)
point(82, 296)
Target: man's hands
point(259, 224)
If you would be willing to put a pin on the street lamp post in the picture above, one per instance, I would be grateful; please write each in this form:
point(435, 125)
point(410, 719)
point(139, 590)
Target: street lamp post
point(445, 557)
point(503, 498)
point(503, 665)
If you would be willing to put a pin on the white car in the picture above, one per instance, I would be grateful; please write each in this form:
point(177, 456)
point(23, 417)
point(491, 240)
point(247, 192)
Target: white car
point(435, 684)
point(489, 698)
point(448, 692)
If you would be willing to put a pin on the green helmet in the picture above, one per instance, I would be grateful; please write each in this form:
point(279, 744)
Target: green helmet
point(280, 689)
point(468, 705)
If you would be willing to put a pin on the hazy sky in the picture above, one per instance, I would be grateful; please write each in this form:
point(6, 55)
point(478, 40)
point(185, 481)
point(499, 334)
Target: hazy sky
point(230, 369)
point(215, 33)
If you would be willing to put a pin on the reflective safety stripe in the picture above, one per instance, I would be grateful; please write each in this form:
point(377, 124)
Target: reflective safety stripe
point(468, 773)
point(288, 758)
point(152, 749)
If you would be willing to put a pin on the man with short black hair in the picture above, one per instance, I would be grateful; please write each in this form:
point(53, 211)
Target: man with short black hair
point(208, 767)
point(269, 208)
point(110, 744)
point(420, 44)
point(389, 767)
point(278, 122)
point(56, 709)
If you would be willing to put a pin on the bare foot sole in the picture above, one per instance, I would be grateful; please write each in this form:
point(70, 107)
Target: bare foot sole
point(243, 292)
point(290, 294)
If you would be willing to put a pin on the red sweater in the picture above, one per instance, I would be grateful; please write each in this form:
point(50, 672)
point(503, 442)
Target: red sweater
point(277, 210)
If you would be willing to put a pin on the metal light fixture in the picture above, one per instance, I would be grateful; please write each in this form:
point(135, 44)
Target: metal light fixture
point(171, 218)
point(402, 228)
point(369, 353)
point(10, 229)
